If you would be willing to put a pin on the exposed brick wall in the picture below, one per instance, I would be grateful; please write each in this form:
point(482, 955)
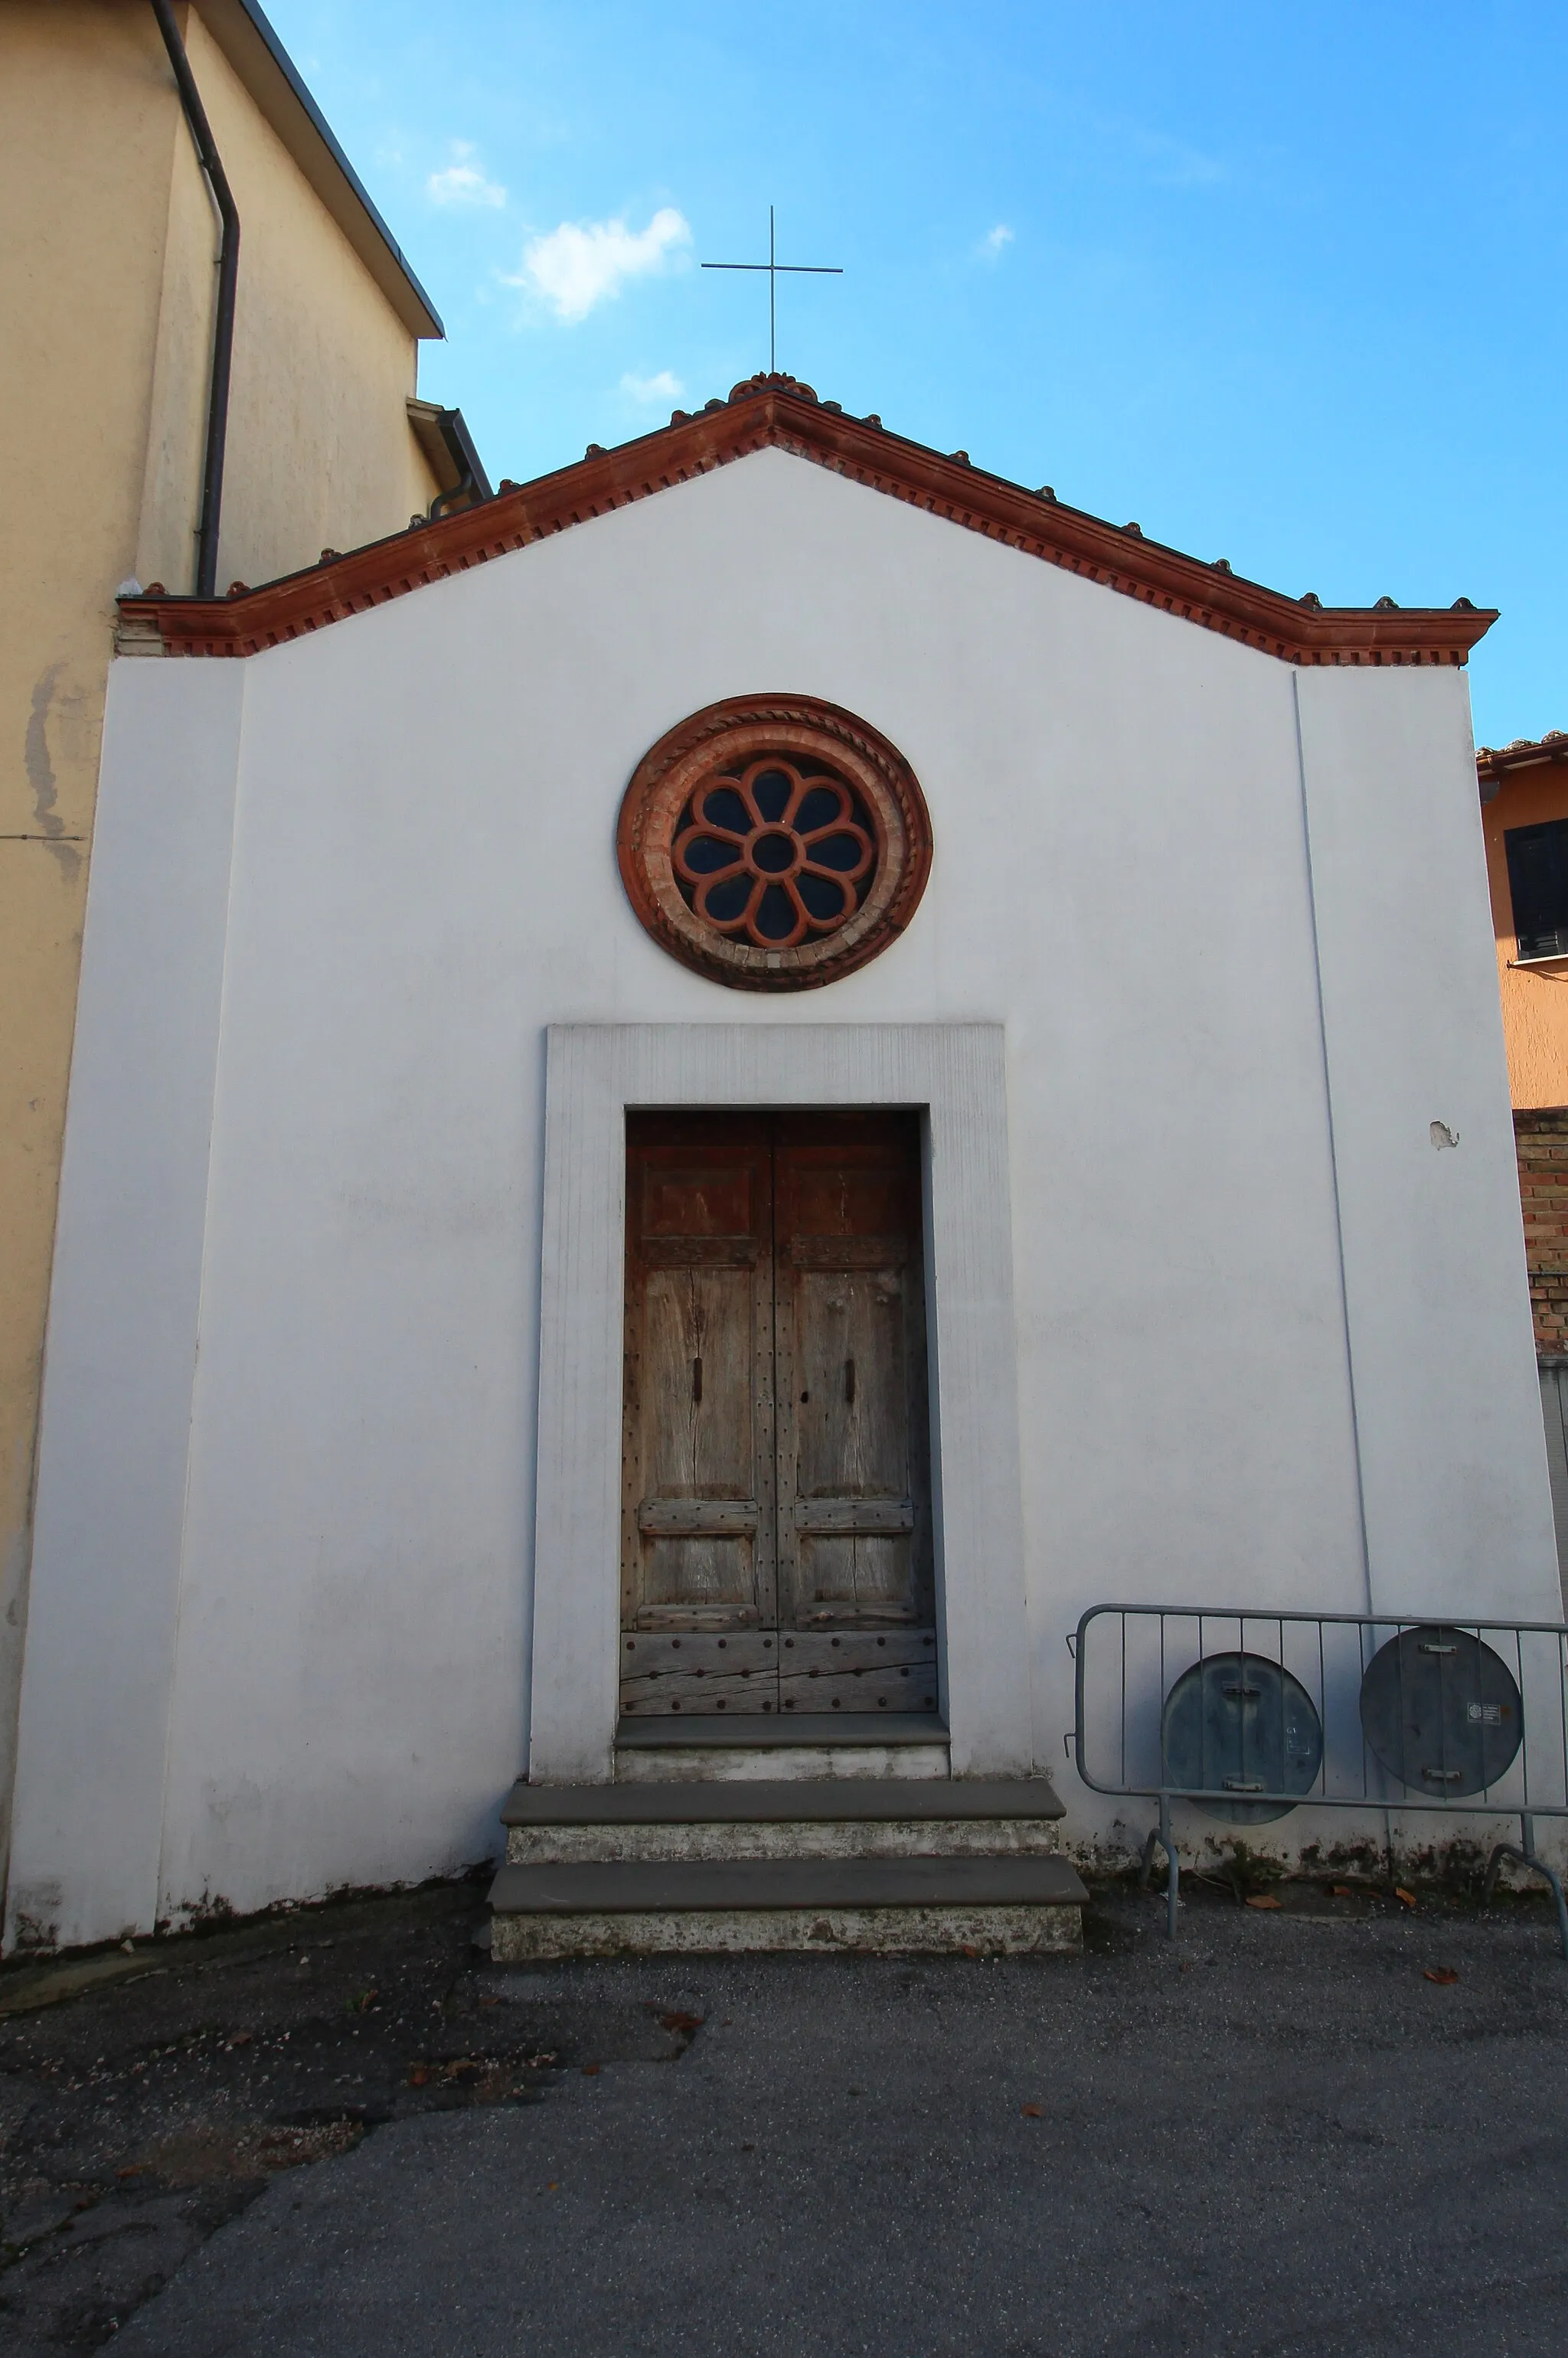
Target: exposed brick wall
point(1542, 1139)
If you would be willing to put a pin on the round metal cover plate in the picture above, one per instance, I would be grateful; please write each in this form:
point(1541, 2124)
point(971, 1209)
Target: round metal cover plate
point(1441, 1711)
point(1241, 1723)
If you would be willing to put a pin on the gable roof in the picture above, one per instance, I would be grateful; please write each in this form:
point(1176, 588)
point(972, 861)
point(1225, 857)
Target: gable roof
point(776, 412)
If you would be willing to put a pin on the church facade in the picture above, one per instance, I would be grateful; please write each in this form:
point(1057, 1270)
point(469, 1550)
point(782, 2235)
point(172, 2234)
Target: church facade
point(712, 1096)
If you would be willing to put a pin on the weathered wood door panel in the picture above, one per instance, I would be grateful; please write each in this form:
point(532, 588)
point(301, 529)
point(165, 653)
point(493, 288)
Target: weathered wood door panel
point(697, 1529)
point(776, 1539)
point(660, 1673)
point(854, 1521)
point(857, 1671)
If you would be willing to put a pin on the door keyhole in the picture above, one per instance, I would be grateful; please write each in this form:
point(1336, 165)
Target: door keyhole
point(696, 1380)
point(850, 1382)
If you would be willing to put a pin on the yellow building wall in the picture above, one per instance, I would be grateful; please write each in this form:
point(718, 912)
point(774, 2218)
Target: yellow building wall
point(320, 450)
point(1535, 998)
point(107, 286)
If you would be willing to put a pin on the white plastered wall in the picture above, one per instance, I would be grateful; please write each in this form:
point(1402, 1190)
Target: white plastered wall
point(1148, 874)
point(1453, 1451)
point(124, 1317)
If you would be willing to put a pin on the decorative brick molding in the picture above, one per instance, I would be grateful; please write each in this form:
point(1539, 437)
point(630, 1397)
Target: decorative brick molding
point(774, 842)
point(779, 413)
point(1541, 1137)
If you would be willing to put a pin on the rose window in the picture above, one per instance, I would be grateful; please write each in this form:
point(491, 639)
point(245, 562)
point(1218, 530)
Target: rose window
point(773, 843)
point(777, 855)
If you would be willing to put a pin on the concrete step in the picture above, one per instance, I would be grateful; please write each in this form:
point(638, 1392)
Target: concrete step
point(837, 1818)
point(885, 1905)
point(635, 1805)
point(705, 1746)
point(781, 1839)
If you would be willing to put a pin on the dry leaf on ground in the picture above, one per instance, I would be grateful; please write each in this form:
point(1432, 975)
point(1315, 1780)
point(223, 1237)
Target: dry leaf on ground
point(1263, 1900)
point(1443, 1974)
point(1408, 1897)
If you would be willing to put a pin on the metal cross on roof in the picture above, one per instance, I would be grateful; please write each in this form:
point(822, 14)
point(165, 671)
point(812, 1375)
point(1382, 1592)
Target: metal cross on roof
point(774, 268)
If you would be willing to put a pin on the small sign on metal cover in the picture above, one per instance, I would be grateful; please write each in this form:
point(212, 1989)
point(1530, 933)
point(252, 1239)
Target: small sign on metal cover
point(1441, 1711)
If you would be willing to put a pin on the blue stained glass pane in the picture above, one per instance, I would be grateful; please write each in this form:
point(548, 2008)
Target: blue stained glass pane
point(722, 806)
point(775, 919)
point(770, 793)
point(823, 898)
point(704, 855)
point(773, 853)
point(840, 851)
point(819, 807)
point(727, 901)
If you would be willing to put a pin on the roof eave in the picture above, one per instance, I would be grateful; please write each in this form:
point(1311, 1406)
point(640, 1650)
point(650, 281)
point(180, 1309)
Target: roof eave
point(1496, 764)
point(248, 41)
point(770, 415)
point(449, 448)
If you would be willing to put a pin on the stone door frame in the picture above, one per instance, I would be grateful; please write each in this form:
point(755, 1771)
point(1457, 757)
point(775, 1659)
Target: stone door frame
point(956, 1076)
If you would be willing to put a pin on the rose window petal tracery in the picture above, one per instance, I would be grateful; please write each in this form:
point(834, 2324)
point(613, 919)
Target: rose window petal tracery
point(774, 842)
point(777, 855)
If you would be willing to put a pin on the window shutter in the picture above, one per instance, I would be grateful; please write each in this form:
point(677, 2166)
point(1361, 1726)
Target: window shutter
point(1538, 886)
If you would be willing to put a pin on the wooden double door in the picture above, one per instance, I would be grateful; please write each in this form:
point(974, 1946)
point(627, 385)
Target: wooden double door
point(776, 1550)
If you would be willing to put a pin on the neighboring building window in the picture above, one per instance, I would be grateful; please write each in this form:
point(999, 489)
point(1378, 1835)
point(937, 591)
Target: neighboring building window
point(1537, 883)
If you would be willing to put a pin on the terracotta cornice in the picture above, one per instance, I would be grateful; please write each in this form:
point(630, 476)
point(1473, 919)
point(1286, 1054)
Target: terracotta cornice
point(776, 413)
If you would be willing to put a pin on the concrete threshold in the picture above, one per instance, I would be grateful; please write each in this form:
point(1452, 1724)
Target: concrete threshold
point(762, 1731)
point(846, 1801)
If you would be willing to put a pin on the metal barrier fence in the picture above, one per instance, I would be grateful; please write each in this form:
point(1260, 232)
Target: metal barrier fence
point(1248, 1715)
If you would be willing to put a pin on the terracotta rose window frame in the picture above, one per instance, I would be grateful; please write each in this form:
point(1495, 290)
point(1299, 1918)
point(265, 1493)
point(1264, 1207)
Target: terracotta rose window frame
point(774, 842)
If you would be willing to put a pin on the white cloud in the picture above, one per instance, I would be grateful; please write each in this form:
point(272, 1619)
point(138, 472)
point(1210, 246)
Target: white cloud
point(1175, 164)
point(585, 263)
point(990, 246)
point(661, 388)
point(461, 182)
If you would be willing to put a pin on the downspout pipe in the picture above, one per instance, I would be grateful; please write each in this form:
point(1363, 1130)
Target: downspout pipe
point(446, 500)
point(472, 483)
point(223, 325)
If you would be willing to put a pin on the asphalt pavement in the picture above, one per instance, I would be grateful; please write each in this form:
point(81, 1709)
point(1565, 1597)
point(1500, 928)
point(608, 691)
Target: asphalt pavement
point(1337, 2129)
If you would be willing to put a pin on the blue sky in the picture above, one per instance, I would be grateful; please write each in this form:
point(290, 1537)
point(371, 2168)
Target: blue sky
point(1285, 285)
